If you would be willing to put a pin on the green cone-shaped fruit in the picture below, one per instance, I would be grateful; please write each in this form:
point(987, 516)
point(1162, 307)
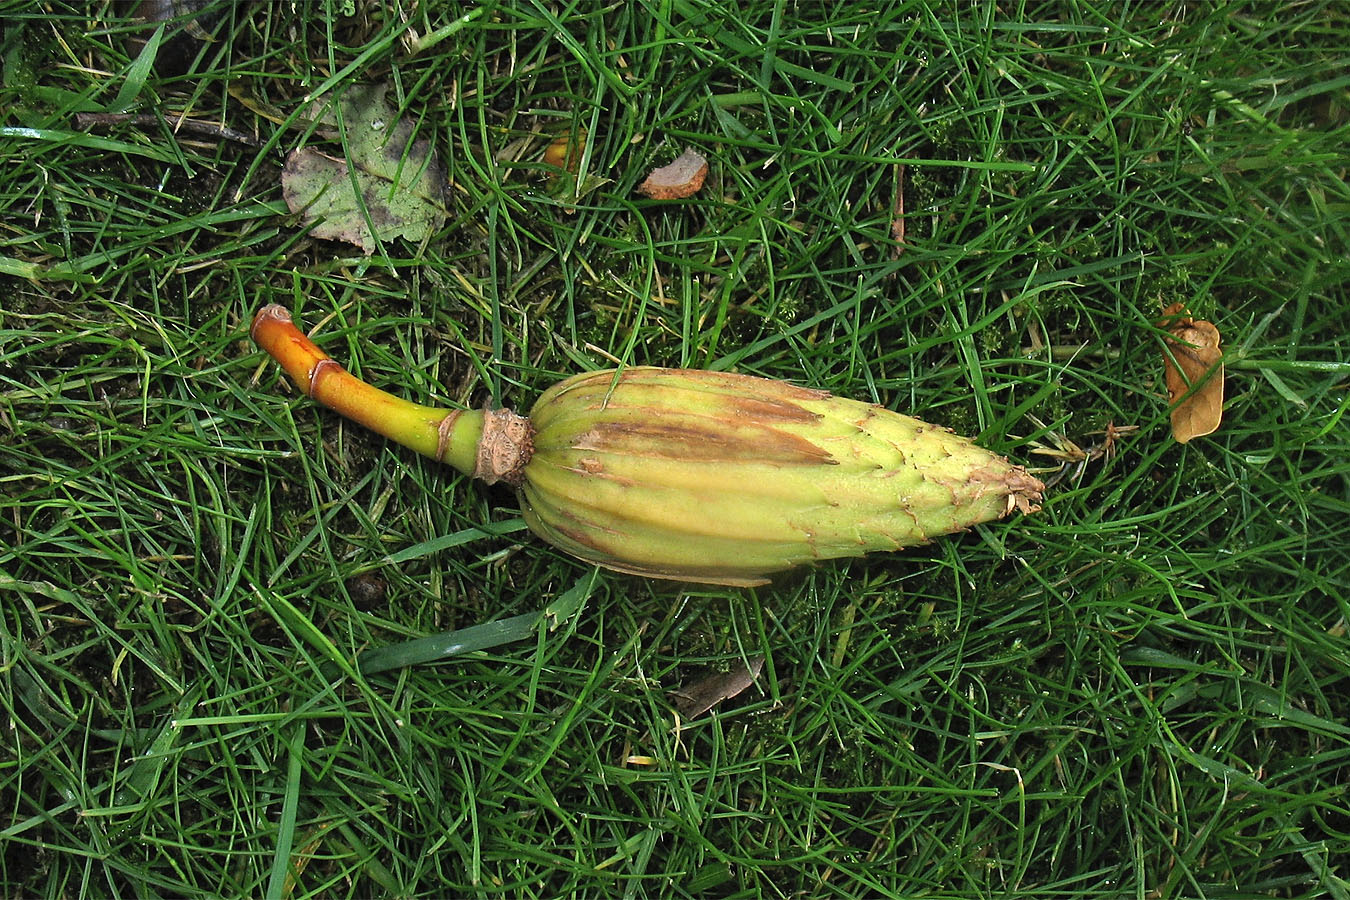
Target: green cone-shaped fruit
point(690, 475)
point(720, 478)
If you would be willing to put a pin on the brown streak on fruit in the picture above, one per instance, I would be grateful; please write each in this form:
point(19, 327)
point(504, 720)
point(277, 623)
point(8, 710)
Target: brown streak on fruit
point(703, 444)
point(585, 537)
point(905, 506)
point(760, 410)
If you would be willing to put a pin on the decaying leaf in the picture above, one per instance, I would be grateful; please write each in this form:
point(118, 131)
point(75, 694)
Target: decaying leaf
point(706, 693)
point(1193, 369)
point(681, 178)
point(401, 182)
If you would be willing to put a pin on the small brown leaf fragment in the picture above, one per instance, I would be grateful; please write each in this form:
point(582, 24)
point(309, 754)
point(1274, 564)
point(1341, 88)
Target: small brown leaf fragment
point(706, 693)
point(681, 178)
point(1193, 370)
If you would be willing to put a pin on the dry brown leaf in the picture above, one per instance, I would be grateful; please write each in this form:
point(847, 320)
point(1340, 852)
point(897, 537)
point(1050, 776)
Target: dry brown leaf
point(1193, 370)
point(681, 178)
point(706, 693)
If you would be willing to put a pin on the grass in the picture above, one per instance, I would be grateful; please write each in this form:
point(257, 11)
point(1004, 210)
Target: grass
point(1142, 691)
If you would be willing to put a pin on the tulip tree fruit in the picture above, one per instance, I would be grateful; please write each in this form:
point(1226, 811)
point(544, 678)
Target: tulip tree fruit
point(690, 475)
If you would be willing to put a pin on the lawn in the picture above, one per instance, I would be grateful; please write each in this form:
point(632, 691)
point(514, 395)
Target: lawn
point(971, 212)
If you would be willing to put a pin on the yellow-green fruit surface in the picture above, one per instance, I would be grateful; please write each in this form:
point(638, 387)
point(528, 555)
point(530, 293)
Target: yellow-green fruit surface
point(719, 478)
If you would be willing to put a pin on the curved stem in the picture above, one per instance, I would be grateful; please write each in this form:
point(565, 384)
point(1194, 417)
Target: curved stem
point(447, 435)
